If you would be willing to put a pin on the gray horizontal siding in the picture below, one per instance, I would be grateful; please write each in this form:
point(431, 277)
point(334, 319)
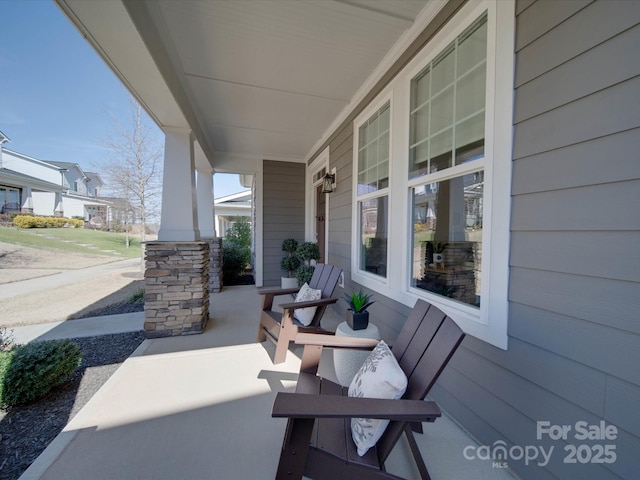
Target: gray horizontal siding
point(575, 274)
point(572, 380)
point(589, 27)
point(603, 113)
point(538, 18)
point(597, 161)
point(502, 406)
point(604, 349)
point(574, 208)
point(589, 253)
point(282, 213)
point(593, 299)
point(623, 397)
point(574, 79)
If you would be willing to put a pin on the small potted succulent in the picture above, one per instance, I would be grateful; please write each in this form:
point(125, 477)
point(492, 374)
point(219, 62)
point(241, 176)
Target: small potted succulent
point(289, 264)
point(438, 251)
point(357, 314)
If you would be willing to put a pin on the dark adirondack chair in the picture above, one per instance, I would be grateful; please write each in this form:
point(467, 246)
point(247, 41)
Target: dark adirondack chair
point(281, 328)
point(318, 441)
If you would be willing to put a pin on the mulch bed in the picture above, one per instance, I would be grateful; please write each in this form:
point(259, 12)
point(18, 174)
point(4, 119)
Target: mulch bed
point(25, 431)
point(245, 279)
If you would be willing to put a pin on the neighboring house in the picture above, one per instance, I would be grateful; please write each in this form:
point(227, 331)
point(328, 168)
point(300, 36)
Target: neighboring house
point(508, 130)
point(29, 185)
point(229, 207)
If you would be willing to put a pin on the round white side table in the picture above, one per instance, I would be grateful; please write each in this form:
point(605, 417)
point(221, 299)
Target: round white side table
point(348, 362)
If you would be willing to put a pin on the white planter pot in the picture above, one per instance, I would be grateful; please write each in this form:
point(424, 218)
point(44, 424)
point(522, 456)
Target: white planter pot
point(288, 282)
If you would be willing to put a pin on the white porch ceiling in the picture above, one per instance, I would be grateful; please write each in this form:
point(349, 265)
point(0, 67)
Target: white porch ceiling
point(263, 78)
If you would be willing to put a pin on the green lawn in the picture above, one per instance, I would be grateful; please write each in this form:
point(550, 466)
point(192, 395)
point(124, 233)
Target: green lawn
point(72, 240)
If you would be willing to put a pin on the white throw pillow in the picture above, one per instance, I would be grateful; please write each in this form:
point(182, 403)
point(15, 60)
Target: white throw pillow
point(379, 377)
point(306, 293)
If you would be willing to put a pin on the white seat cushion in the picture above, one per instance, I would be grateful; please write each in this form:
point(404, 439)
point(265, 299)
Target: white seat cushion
point(379, 377)
point(305, 294)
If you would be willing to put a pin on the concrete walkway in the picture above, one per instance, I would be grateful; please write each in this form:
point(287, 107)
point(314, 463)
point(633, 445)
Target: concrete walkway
point(85, 327)
point(199, 407)
point(60, 278)
point(66, 294)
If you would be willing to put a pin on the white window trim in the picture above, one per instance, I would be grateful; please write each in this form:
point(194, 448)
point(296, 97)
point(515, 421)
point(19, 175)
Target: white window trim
point(370, 280)
point(321, 161)
point(489, 323)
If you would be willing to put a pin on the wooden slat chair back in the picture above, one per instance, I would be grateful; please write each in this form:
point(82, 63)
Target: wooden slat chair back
point(423, 348)
point(281, 328)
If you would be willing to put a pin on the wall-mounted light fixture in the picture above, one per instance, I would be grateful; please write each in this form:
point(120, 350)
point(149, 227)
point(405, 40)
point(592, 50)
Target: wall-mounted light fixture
point(329, 181)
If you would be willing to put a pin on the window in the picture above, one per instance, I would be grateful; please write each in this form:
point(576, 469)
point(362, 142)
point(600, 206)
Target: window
point(9, 199)
point(372, 187)
point(447, 121)
point(448, 105)
point(447, 237)
point(443, 216)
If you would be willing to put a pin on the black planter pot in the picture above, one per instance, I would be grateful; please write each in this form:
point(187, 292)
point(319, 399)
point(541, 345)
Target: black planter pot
point(357, 321)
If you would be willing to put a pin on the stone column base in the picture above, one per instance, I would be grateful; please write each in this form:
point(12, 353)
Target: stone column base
point(176, 288)
point(215, 265)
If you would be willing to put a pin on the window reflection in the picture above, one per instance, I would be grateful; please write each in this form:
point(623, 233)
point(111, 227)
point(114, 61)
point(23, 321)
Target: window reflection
point(374, 215)
point(447, 237)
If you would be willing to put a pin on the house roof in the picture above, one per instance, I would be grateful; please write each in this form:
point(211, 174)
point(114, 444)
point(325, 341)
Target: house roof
point(94, 177)
point(21, 180)
point(66, 165)
point(249, 79)
point(70, 165)
point(4, 138)
point(240, 197)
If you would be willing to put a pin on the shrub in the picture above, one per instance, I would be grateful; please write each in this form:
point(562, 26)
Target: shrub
point(5, 361)
point(290, 265)
point(32, 370)
point(6, 339)
point(240, 235)
point(308, 251)
point(233, 262)
point(304, 274)
point(30, 221)
point(240, 232)
point(289, 245)
point(137, 296)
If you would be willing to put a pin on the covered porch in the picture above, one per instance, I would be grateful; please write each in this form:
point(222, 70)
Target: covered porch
point(199, 406)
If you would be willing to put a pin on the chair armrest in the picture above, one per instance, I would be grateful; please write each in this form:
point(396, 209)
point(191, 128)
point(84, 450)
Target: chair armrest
point(308, 303)
point(331, 341)
point(299, 405)
point(277, 291)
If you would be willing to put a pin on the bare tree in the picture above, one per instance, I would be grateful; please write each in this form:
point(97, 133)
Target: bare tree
point(134, 171)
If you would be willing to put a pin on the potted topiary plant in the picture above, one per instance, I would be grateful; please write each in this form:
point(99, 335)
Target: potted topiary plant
point(290, 263)
point(357, 314)
point(308, 253)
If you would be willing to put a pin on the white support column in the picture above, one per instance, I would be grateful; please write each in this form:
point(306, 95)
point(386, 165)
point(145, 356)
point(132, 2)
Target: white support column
point(58, 210)
point(179, 217)
point(213, 205)
point(27, 203)
point(204, 189)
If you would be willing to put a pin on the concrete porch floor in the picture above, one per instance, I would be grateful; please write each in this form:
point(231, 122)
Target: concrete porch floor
point(199, 407)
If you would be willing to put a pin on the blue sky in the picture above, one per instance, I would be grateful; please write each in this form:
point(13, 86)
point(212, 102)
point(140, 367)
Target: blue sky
point(58, 97)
